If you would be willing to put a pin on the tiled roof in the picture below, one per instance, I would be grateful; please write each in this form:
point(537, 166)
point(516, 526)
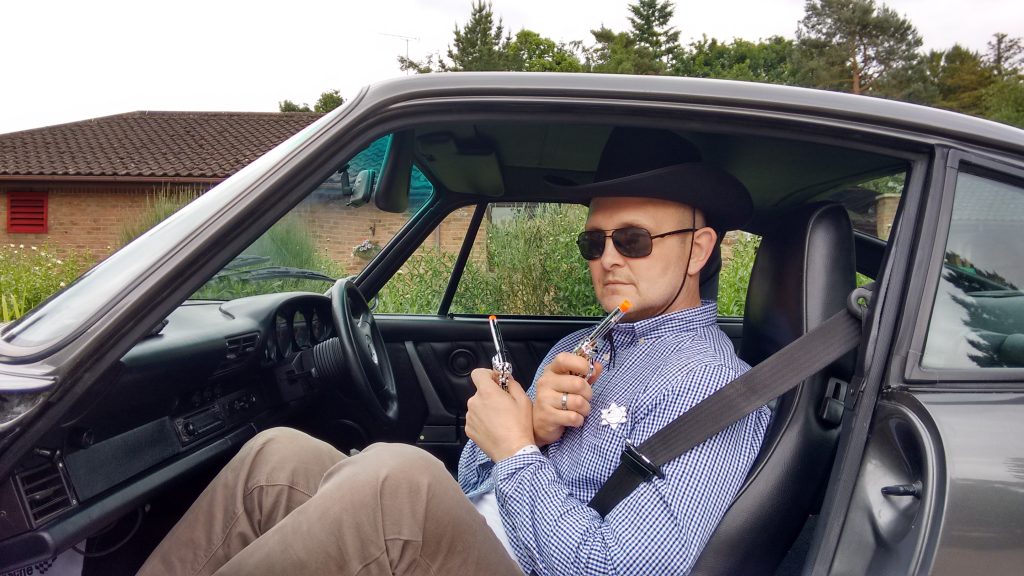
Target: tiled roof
point(149, 144)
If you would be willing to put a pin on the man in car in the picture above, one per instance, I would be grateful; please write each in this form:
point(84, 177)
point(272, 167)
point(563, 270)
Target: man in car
point(290, 503)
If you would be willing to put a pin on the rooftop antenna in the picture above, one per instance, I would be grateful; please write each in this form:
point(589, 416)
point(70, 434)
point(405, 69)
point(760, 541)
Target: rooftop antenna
point(407, 39)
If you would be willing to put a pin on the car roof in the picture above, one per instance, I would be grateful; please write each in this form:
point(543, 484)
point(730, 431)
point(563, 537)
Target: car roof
point(904, 117)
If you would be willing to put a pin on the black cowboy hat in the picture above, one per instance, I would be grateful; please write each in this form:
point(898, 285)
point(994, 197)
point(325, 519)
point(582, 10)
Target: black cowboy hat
point(654, 163)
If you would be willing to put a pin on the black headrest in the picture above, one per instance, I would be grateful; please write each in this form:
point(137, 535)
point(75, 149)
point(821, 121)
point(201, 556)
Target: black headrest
point(803, 272)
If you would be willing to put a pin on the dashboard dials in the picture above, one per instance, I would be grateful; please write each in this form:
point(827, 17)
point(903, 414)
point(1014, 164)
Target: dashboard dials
point(283, 334)
point(319, 329)
point(299, 325)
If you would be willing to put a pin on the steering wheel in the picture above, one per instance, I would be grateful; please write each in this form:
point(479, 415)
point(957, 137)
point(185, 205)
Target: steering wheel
point(362, 353)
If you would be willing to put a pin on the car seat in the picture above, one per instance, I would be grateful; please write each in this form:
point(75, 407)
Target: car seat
point(802, 274)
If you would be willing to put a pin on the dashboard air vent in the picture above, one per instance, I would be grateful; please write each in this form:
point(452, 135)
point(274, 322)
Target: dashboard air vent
point(238, 350)
point(45, 492)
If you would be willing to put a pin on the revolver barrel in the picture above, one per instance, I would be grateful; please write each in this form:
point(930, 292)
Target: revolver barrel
point(587, 348)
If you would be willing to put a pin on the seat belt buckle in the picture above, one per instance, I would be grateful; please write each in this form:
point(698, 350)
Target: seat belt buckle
point(640, 465)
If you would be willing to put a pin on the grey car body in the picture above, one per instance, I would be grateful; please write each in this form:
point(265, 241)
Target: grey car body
point(955, 430)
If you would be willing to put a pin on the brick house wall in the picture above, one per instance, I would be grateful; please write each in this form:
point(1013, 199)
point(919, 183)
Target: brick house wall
point(337, 229)
point(84, 218)
point(91, 219)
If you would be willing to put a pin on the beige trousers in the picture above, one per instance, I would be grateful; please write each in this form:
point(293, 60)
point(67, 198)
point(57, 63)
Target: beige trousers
point(290, 504)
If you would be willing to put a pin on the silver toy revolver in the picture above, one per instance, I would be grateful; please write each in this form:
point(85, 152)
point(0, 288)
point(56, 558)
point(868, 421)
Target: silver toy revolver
point(499, 363)
point(587, 348)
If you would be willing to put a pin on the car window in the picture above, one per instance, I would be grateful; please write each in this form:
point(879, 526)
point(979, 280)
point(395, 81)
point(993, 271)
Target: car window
point(334, 232)
point(738, 252)
point(872, 203)
point(419, 285)
point(526, 262)
point(978, 315)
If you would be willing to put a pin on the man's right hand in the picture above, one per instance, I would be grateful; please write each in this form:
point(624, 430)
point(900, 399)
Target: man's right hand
point(562, 377)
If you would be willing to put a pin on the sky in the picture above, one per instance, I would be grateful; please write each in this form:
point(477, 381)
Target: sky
point(64, 61)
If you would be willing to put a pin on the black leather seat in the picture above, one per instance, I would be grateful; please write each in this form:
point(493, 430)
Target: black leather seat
point(803, 272)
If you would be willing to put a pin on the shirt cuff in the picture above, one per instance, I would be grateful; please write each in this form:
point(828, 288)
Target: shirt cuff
point(527, 455)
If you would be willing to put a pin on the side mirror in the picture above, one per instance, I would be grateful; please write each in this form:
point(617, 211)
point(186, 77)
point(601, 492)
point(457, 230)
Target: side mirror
point(362, 188)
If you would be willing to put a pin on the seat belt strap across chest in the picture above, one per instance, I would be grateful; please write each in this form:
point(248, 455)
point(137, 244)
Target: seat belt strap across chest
point(776, 375)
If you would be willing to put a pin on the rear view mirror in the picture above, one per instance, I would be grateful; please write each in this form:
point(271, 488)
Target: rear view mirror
point(362, 188)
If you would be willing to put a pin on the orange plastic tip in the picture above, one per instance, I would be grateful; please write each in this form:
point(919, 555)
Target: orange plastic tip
point(625, 306)
point(492, 317)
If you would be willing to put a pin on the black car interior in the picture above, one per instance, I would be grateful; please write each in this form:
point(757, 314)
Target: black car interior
point(804, 267)
point(177, 406)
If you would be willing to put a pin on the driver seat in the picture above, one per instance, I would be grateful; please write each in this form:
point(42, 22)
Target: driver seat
point(802, 275)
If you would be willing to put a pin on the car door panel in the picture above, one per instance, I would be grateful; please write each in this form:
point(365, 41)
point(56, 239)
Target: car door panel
point(984, 481)
point(887, 533)
point(433, 357)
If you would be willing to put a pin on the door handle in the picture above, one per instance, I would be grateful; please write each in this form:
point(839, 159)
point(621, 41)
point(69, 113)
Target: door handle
point(903, 489)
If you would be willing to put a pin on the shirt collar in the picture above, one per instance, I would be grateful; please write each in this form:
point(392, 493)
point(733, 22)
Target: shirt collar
point(687, 320)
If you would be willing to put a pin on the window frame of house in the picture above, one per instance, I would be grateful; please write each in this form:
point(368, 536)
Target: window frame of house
point(14, 227)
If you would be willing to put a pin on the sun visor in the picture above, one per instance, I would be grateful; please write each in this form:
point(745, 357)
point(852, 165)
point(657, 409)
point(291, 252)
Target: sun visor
point(392, 191)
point(467, 166)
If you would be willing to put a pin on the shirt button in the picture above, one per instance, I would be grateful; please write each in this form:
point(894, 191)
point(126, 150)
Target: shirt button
point(641, 340)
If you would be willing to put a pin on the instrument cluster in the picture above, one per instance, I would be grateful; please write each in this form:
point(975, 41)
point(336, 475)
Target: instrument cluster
point(298, 326)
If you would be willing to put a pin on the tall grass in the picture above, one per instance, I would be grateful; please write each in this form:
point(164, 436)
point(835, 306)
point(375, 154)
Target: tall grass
point(30, 274)
point(286, 244)
point(160, 204)
point(531, 267)
point(735, 275)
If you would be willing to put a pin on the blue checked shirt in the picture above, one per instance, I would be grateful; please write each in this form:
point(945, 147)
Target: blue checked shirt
point(661, 368)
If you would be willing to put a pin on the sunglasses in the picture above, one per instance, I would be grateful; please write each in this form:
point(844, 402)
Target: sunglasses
point(631, 242)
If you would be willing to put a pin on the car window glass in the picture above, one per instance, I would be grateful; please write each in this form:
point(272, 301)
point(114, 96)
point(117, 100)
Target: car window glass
point(738, 252)
point(872, 204)
point(419, 285)
point(525, 262)
point(329, 235)
point(978, 316)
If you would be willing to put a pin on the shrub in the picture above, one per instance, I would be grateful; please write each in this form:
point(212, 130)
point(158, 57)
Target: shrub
point(531, 267)
point(30, 274)
point(160, 204)
point(287, 244)
point(735, 275)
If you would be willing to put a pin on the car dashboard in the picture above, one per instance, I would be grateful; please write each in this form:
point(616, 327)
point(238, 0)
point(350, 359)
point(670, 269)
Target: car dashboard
point(187, 395)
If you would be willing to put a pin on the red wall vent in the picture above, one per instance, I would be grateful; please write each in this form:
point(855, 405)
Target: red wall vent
point(26, 212)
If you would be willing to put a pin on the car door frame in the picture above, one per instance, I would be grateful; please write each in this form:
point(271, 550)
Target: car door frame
point(896, 384)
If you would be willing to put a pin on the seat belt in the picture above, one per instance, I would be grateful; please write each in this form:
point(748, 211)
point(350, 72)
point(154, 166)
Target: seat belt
point(773, 377)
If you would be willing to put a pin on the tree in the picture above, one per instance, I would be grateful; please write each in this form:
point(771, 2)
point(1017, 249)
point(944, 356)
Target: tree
point(289, 106)
point(426, 66)
point(764, 61)
point(656, 42)
point(855, 46)
point(531, 52)
point(613, 53)
point(962, 79)
point(1004, 101)
point(648, 48)
point(1005, 55)
point(328, 101)
point(480, 44)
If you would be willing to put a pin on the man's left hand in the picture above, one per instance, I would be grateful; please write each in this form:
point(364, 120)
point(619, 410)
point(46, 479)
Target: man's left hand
point(501, 423)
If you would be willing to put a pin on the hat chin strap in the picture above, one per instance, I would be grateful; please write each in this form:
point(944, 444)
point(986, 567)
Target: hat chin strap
point(693, 224)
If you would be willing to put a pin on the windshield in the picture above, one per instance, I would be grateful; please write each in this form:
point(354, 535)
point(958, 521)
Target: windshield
point(333, 233)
